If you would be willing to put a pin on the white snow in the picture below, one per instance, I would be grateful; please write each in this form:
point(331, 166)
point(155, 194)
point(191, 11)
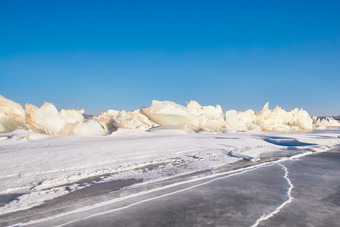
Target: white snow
point(94, 210)
point(39, 166)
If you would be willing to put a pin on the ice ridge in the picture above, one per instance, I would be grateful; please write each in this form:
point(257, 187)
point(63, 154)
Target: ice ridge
point(161, 114)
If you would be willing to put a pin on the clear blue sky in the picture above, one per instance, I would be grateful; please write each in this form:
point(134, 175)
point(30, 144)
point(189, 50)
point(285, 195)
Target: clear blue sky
point(123, 54)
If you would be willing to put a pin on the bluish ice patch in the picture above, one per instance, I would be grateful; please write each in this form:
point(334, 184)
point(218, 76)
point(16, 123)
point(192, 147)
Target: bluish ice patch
point(287, 142)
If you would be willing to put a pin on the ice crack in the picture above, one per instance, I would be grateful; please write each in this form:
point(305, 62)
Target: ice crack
point(277, 210)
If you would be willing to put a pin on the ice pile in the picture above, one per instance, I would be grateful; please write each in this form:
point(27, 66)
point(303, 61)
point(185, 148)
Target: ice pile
point(269, 120)
point(325, 122)
point(209, 118)
point(111, 120)
point(12, 115)
point(46, 119)
point(161, 114)
point(192, 117)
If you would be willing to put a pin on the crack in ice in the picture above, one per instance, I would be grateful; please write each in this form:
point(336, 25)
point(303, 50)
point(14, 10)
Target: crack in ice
point(277, 210)
point(216, 176)
point(160, 196)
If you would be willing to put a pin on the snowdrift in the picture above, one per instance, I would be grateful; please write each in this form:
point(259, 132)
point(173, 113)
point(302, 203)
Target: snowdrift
point(164, 114)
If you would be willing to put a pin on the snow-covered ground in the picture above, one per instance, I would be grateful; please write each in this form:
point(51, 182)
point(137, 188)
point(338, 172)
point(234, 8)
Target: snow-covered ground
point(43, 167)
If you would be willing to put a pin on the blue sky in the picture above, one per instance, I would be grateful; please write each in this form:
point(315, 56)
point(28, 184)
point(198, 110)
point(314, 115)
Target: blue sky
point(101, 55)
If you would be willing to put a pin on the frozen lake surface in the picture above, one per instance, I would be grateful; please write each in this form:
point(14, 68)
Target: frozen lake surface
point(289, 187)
point(239, 200)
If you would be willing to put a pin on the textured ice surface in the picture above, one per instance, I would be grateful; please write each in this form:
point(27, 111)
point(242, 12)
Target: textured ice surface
point(296, 190)
point(41, 167)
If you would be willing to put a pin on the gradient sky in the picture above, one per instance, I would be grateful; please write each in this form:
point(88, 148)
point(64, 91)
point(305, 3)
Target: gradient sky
point(101, 55)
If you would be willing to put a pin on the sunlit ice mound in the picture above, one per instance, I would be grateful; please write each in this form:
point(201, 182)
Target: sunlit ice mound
point(12, 115)
point(210, 118)
point(161, 114)
point(325, 122)
point(46, 119)
point(112, 120)
point(193, 117)
point(270, 120)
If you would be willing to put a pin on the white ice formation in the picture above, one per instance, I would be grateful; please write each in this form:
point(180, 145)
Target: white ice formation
point(194, 116)
point(209, 118)
point(325, 122)
point(12, 115)
point(269, 120)
point(111, 120)
point(191, 118)
point(47, 119)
